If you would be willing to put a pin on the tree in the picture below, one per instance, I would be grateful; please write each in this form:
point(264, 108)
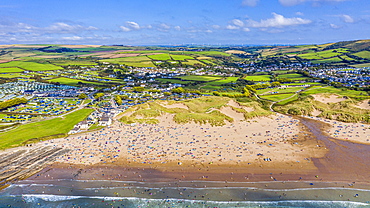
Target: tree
point(178, 90)
point(167, 93)
point(275, 84)
point(82, 96)
point(97, 96)
point(138, 89)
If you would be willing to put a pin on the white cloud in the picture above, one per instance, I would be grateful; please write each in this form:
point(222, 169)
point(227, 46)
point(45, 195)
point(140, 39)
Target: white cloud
point(129, 26)
point(299, 13)
point(73, 38)
point(164, 26)
point(334, 26)
point(216, 26)
point(346, 18)
point(246, 29)
point(251, 3)
point(295, 2)
point(237, 22)
point(133, 25)
point(125, 29)
point(278, 21)
point(61, 27)
point(232, 27)
point(177, 28)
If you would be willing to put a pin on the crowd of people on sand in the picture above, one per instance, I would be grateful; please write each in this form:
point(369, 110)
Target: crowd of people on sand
point(247, 141)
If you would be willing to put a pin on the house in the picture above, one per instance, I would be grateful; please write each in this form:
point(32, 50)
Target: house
point(83, 125)
point(74, 131)
point(105, 121)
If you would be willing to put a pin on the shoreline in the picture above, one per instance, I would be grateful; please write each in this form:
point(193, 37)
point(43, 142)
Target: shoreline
point(316, 170)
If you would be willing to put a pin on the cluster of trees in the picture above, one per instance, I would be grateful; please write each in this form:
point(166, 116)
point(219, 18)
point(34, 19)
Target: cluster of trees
point(12, 102)
point(82, 96)
point(118, 99)
point(245, 94)
point(182, 90)
point(98, 95)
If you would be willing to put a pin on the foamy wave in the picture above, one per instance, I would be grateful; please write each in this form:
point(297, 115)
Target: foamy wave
point(184, 202)
point(34, 197)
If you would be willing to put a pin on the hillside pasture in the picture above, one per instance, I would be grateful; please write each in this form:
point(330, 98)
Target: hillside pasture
point(199, 78)
point(180, 57)
point(293, 76)
point(73, 82)
point(363, 54)
point(30, 66)
point(10, 70)
point(258, 78)
point(160, 57)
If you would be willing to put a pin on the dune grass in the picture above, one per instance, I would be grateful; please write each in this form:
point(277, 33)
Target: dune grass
point(204, 110)
point(341, 111)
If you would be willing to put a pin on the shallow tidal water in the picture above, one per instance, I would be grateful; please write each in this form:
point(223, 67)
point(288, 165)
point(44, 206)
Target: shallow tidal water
point(108, 193)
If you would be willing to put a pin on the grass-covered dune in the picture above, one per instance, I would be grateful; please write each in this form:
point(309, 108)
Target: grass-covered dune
point(345, 110)
point(202, 110)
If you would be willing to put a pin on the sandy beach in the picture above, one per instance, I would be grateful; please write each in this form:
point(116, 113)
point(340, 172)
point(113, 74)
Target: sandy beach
point(266, 141)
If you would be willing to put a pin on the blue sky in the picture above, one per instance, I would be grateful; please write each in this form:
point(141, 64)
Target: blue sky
point(171, 22)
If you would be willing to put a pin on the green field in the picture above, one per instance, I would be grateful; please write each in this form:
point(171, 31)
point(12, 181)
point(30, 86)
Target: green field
point(208, 62)
point(140, 64)
point(293, 76)
point(199, 78)
point(41, 129)
point(160, 57)
point(258, 78)
point(175, 81)
point(126, 59)
point(276, 97)
point(31, 66)
point(333, 90)
point(192, 62)
point(223, 81)
point(10, 70)
point(180, 57)
point(363, 54)
point(73, 82)
point(330, 60)
point(72, 62)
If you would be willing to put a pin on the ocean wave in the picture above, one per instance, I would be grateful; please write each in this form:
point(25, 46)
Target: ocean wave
point(35, 198)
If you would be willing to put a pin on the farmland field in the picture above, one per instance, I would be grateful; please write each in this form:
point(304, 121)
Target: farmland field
point(72, 62)
point(192, 62)
point(258, 78)
point(277, 97)
point(42, 129)
point(331, 60)
point(139, 64)
point(363, 54)
point(180, 57)
point(126, 59)
point(10, 70)
point(199, 78)
point(223, 81)
point(175, 81)
point(160, 57)
point(31, 66)
point(293, 76)
point(73, 82)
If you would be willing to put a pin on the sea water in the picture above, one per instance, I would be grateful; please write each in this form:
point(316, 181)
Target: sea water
point(109, 193)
